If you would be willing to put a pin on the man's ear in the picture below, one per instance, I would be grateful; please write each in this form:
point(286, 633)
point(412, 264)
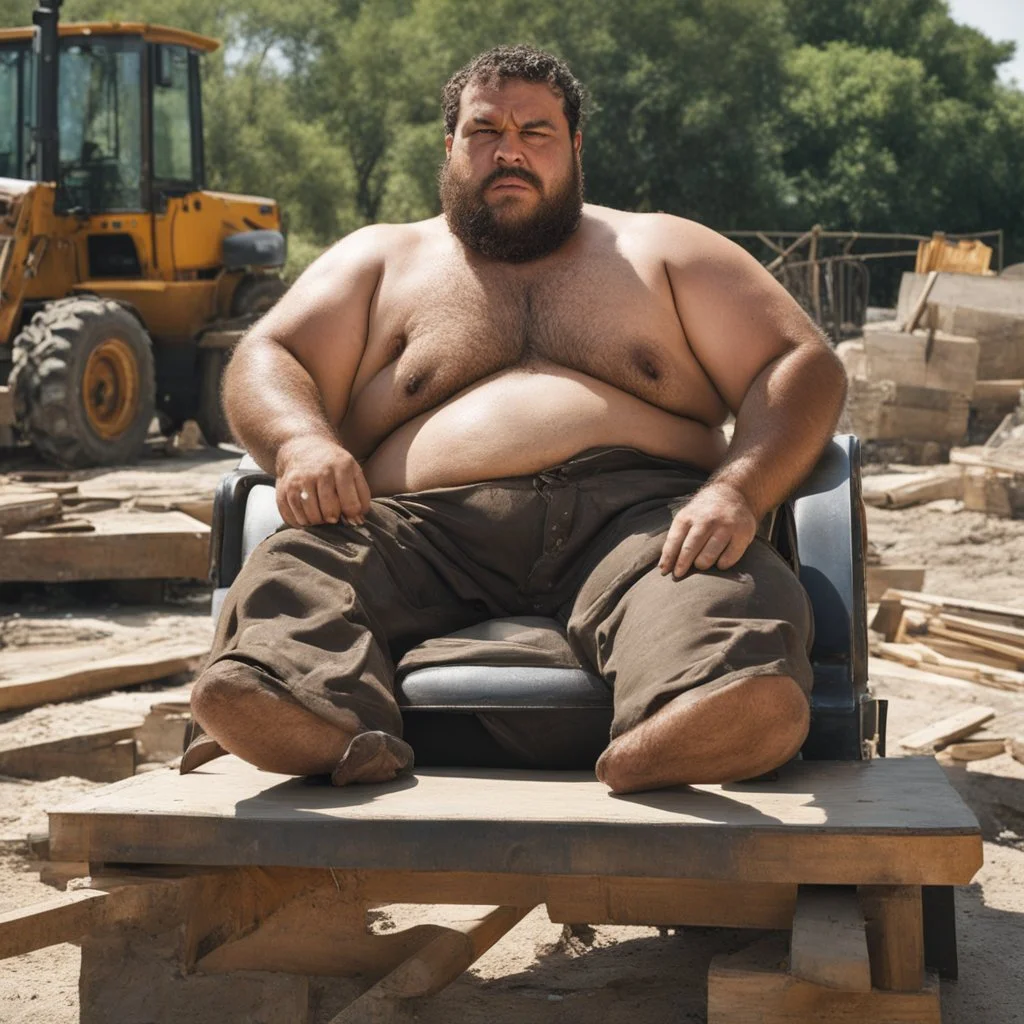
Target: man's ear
point(577, 142)
point(448, 140)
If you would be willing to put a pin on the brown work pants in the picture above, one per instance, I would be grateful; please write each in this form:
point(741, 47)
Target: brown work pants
point(326, 613)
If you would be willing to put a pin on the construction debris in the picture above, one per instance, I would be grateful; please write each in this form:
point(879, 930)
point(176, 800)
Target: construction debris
point(140, 523)
point(940, 734)
point(901, 489)
point(982, 643)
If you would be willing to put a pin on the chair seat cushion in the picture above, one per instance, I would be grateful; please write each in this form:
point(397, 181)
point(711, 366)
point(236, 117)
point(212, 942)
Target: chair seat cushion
point(513, 663)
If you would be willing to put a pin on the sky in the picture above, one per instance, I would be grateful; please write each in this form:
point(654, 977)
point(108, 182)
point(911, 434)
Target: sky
point(999, 20)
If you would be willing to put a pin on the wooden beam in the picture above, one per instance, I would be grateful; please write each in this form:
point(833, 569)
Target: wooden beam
point(669, 902)
point(139, 666)
point(19, 509)
point(433, 967)
point(71, 915)
point(829, 944)
point(318, 932)
point(955, 727)
point(881, 578)
point(124, 545)
point(895, 933)
point(753, 987)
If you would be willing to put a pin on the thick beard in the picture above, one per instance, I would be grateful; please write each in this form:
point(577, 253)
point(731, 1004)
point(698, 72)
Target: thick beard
point(513, 239)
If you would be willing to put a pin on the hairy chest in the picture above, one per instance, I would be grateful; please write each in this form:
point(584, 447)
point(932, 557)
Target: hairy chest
point(435, 332)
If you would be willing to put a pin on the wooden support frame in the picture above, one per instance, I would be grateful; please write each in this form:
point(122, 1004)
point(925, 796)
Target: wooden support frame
point(256, 882)
point(856, 955)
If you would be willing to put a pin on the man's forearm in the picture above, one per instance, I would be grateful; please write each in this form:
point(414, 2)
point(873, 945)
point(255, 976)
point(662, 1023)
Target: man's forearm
point(270, 399)
point(786, 419)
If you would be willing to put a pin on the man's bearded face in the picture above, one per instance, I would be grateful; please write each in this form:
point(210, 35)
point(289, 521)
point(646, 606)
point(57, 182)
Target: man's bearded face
point(511, 224)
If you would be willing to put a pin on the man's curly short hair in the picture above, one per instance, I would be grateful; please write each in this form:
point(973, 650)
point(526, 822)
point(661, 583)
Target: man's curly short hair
point(523, 62)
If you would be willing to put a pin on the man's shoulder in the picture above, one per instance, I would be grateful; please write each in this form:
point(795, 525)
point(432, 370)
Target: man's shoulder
point(672, 235)
point(381, 241)
point(367, 251)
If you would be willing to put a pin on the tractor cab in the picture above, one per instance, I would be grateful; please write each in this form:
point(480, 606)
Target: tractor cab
point(129, 115)
point(112, 248)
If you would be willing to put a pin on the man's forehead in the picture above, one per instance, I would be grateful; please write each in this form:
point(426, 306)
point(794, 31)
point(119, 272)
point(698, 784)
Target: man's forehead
point(522, 100)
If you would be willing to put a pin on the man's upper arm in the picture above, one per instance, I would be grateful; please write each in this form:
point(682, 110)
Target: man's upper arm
point(736, 316)
point(323, 318)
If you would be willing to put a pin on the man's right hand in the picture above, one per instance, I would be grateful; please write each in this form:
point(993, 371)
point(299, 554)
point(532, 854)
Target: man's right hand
point(319, 482)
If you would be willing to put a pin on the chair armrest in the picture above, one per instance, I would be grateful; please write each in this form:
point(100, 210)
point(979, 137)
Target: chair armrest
point(829, 521)
point(228, 524)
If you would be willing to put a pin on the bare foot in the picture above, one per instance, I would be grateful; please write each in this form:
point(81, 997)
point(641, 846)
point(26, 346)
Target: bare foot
point(373, 757)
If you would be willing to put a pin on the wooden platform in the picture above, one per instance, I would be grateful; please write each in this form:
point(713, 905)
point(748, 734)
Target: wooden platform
point(905, 822)
point(267, 880)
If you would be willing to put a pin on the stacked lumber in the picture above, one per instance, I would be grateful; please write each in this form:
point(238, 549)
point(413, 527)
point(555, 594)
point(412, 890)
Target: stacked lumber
point(972, 640)
point(909, 386)
point(955, 639)
point(56, 528)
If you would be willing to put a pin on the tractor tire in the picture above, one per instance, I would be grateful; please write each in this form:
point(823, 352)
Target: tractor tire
point(210, 413)
point(256, 294)
point(84, 382)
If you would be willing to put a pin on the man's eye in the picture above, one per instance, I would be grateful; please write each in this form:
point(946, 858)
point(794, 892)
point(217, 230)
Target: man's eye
point(486, 131)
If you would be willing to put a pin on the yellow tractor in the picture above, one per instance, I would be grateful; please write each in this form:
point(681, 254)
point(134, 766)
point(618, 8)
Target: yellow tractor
point(123, 280)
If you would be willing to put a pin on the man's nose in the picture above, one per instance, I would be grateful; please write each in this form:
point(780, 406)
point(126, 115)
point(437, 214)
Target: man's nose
point(509, 149)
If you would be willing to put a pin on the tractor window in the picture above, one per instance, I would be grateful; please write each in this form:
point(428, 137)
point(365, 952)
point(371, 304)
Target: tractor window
point(172, 121)
point(9, 61)
point(101, 126)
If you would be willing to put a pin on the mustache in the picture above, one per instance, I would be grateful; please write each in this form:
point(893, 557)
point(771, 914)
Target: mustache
point(512, 172)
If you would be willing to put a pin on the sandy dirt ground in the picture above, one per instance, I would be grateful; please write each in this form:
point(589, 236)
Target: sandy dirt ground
point(542, 973)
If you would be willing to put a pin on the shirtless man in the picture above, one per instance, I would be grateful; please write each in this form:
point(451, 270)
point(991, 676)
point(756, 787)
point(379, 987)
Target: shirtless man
point(416, 370)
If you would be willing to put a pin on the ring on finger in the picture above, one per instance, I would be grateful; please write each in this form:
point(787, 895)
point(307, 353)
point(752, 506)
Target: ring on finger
point(304, 495)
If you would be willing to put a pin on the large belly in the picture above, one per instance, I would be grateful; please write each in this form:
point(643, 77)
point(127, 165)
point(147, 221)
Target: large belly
point(519, 422)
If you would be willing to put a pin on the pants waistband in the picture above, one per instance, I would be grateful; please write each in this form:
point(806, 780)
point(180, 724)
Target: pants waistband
point(606, 459)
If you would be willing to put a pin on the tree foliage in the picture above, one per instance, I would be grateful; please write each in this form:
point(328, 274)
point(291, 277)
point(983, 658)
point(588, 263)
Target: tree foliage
point(866, 114)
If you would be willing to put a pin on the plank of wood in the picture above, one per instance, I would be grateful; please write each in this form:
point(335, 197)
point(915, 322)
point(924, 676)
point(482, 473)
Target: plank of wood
point(102, 756)
point(1009, 652)
point(998, 390)
point(753, 987)
point(660, 901)
point(20, 509)
point(318, 930)
point(829, 944)
point(966, 652)
point(201, 510)
point(888, 617)
point(903, 492)
point(895, 932)
point(914, 318)
point(71, 915)
point(975, 750)
point(881, 578)
point(155, 662)
point(124, 545)
point(938, 603)
point(820, 822)
point(997, 631)
point(955, 727)
point(432, 968)
point(918, 655)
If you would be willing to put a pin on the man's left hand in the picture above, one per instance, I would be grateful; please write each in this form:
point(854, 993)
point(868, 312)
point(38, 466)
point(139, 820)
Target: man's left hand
point(713, 528)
